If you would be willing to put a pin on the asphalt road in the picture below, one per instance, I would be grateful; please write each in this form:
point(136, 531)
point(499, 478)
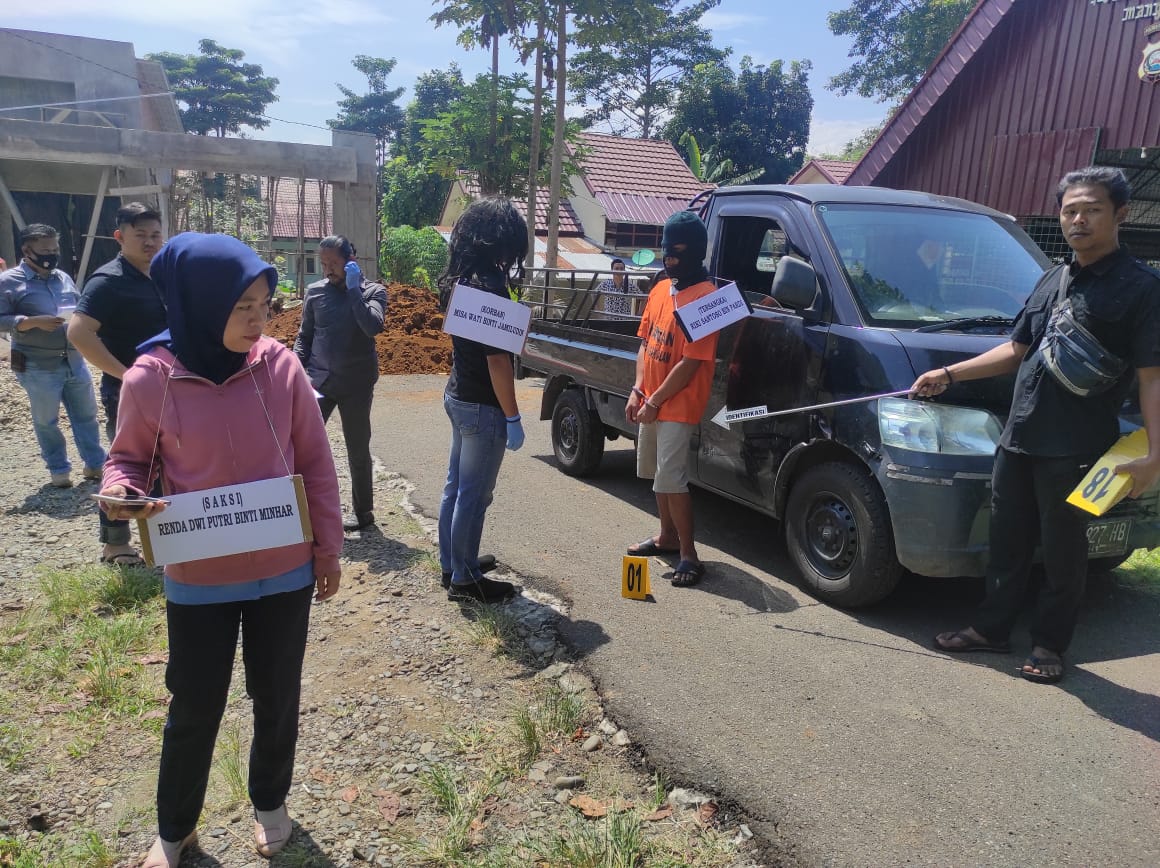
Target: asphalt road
point(846, 739)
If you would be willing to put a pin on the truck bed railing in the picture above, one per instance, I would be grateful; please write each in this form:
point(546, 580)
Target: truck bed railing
point(572, 296)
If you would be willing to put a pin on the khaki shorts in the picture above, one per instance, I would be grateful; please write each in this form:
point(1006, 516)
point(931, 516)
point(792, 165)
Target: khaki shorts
point(662, 455)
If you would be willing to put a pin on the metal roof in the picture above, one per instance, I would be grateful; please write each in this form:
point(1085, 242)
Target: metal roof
point(636, 208)
point(286, 209)
point(837, 171)
point(640, 167)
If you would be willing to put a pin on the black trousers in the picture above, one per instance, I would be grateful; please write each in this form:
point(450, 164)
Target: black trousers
point(1028, 508)
point(113, 532)
point(202, 641)
point(355, 412)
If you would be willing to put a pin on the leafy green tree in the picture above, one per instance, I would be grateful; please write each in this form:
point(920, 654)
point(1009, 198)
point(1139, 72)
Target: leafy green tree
point(413, 195)
point(414, 256)
point(895, 42)
point(459, 139)
point(482, 23)
point(857, 147)
point(709, 169)
point(432, 94)
point(757, 117)
point(221, 94)
point(374, 112)
point(630, 64)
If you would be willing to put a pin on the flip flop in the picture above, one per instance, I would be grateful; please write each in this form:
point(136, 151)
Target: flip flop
point(124, 559)
point(647, 548)
point(970, 644)
point(1039, 663)
point(687, 574)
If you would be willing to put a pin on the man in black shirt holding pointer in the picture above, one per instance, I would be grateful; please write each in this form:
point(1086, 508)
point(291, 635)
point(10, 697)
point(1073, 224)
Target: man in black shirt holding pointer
point(1059, 423)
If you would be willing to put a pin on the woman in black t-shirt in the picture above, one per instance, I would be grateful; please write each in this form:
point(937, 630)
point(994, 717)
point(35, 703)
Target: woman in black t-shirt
point(488, 245)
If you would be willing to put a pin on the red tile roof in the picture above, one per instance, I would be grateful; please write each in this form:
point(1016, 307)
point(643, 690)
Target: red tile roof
point(286, 209)
point(636, 180)
point(569, 222)
point(836, 171)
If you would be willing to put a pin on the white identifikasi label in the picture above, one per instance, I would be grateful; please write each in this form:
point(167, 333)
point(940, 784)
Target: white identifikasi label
point(229, 520)
point(487, 319)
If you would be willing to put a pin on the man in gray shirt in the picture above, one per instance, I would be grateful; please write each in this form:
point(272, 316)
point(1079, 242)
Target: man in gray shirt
point(336, 344)
point(36, 302)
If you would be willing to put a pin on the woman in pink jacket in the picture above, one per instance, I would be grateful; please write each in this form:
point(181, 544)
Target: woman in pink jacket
point(213, 403)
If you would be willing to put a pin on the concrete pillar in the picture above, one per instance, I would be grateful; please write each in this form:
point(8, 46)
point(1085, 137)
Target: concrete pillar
point(356, 206)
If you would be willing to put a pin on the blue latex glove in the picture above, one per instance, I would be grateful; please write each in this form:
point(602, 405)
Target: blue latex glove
point(353, 275)
point(515, 432)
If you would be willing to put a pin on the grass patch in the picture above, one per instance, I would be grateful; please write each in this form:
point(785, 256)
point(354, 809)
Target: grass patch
point(87, 636)
point(14, 748)
point(451, 843)
point(231, 763)
point(495, 630)
point(1143, 567)
point(89, 851)
point(558, 712)
point(616, 841)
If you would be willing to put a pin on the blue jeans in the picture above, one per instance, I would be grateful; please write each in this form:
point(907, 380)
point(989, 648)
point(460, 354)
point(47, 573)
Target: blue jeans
point(68, 383)
point(478, 439)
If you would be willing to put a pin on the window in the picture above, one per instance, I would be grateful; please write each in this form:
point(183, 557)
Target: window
point(749, 252)
point(632, 236)
point(311, 265)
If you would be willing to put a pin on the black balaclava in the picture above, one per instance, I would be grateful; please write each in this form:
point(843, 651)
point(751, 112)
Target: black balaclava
point(686, 228)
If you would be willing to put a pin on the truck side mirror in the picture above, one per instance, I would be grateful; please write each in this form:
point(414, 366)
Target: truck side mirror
point(795, 285)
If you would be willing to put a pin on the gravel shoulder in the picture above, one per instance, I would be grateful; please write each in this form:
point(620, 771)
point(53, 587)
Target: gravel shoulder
point(430, 734)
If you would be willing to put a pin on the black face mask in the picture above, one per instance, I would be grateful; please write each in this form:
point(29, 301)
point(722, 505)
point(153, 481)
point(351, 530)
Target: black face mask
point(686, 269)
point(47, 261)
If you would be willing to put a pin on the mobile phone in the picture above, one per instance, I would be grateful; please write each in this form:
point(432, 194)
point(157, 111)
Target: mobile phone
point(129, 501)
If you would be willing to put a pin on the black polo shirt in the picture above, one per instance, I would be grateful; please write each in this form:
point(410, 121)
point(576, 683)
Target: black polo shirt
point(127, 304)
point(1117, 299)
point(470, 379)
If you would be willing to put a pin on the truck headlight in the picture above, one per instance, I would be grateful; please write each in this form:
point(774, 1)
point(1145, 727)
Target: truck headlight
point(925, 427)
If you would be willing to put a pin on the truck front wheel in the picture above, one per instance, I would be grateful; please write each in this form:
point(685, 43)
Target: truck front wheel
point(837, 530)
point(577, 434)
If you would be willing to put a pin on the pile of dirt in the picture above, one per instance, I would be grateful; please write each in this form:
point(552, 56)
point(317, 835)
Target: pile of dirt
point(412, 341)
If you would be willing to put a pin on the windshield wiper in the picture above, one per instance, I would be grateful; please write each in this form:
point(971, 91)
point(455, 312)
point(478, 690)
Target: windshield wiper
point(966, 322)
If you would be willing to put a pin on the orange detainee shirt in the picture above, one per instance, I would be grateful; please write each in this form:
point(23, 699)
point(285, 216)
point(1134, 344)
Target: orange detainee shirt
point(665, 345)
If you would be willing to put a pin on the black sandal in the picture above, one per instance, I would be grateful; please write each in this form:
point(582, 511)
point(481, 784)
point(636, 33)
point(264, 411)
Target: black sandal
point(687, 574)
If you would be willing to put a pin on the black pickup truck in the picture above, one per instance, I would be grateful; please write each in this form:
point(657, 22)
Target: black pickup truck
point(857, 291)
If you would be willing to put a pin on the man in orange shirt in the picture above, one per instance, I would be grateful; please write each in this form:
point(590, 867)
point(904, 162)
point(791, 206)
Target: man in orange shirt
point(673, 377)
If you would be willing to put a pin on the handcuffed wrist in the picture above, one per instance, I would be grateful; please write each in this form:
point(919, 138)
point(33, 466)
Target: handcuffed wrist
point(638, 393)
point(649, 401)
point(950, 376)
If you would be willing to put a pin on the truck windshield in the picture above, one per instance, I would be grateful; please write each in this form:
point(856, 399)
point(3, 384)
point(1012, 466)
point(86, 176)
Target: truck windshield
point(912, 267)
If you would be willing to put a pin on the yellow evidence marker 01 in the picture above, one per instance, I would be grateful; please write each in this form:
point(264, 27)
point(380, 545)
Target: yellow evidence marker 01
point(634, 578)
point(1103, 488)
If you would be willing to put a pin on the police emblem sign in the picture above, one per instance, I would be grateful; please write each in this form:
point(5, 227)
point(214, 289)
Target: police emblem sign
point(1150, 66)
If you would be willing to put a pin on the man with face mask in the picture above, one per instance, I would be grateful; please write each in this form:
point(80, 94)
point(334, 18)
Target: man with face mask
point(673, 377)
point(36, 302)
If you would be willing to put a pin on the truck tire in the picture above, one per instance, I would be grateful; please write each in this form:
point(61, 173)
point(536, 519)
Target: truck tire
point(837, 530)
point(577, 434)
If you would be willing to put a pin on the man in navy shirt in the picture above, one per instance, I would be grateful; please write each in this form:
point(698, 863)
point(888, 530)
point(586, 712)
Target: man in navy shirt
point(120, 308)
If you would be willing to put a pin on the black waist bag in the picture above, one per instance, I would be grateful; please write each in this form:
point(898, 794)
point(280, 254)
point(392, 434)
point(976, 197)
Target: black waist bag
point(1073, 355)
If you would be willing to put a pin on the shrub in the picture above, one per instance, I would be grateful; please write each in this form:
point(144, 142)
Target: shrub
point(412, 255)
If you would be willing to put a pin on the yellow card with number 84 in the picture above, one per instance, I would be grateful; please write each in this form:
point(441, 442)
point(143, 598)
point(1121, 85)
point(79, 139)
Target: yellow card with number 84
point(1103, 488)
point(634, 578)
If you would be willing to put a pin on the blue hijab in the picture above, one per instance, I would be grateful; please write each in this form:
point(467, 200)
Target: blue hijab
point(202, 277)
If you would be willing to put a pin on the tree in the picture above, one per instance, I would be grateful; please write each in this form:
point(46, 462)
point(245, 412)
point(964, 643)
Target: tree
point(709, 169)
point(413, 195)
point(482, 23)
point(221, 94)
point(857, 147)
point(757, 117)
point(630, 64)
point(432, 95)
point(895, 42)
point(375, 111)
point(459, 138)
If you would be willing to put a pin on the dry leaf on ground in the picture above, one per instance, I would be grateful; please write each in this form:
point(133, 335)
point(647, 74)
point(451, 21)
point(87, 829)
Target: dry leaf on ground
point(659, 814)
point(588, 806)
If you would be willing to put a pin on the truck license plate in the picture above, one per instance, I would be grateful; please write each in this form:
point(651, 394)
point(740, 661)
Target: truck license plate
point(1108, 537)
